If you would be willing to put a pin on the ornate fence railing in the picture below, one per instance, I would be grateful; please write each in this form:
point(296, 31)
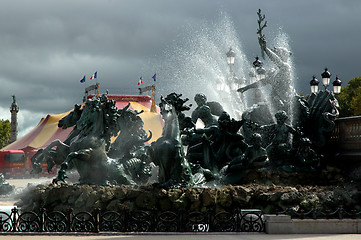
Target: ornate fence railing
point(132, 221)
point(241, 220)
point(316, 213)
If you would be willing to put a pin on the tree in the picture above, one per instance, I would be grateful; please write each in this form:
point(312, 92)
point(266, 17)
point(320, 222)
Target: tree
point(4, 132)
point(356, 104)
point(350, 98)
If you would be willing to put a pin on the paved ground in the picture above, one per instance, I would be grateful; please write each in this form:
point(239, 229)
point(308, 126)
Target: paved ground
point(20, 185)
point(258, 236)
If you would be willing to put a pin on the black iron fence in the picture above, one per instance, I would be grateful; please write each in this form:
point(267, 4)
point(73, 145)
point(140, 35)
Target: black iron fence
point(316, 213)
point(132, 221)
point(241, 220)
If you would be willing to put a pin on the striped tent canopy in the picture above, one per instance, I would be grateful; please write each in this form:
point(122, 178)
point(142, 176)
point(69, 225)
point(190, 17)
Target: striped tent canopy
point(47, 130)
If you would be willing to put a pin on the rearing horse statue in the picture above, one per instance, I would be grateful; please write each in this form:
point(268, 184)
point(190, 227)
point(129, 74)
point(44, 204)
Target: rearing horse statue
point(56, 152)
point(167, 152)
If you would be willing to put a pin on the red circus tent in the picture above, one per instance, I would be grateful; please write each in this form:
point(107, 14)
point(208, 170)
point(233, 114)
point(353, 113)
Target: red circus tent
point(47, 130)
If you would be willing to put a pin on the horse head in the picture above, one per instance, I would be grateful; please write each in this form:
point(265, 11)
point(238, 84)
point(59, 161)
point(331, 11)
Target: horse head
point(71, 119)
point(128, 119)
point(167, 109)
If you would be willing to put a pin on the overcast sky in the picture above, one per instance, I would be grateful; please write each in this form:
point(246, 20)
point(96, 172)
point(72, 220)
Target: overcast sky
point(47, 46)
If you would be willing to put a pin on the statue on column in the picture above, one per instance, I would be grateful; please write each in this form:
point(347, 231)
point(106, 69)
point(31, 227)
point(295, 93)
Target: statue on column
point(14, 109)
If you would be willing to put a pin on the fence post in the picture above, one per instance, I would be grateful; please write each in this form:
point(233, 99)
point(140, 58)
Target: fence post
point(314, 213)
point(238, 220)
point(210, 218)
point(42, 219)
point(14, 213)
point(154, 219)
point(353, 214)
point(69, 213)
point(126, 219)
point(340, 212)
point(302, 214)
point(96, 215)
point(181, 226)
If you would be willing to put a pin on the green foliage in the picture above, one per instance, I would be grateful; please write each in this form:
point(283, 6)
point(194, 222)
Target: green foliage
point(356, 103)
point(350, 98)
point(4, 132)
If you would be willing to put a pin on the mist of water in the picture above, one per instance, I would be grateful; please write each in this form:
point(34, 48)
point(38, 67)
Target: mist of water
point(196, 62)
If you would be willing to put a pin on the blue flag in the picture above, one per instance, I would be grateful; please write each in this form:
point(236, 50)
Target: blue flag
point(154, 77)
point(83, 80)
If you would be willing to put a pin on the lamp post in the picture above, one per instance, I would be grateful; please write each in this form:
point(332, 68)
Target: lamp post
point(314, 84)
point(260, 72)
point(326, 76)
point(230, 60)
point(221, 86)
point(227, 86)
point(232, 82)
point(337, 85)
point(256, 74)
point(235, 83)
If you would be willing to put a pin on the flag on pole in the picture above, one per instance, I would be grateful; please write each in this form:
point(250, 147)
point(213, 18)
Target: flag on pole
point(140, 80)
point(94, 75)
point(83, 80)
point(154, 77)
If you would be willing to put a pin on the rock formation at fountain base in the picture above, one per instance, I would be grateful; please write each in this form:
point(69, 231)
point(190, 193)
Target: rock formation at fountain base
point(267, 191)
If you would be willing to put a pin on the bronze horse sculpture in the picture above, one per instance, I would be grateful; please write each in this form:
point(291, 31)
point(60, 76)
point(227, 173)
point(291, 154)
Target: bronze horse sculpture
point(167, 152)
point(88, 149)
point(56, 152)
point(131, 134)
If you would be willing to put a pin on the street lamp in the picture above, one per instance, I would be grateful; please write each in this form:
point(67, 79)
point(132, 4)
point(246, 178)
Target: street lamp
point(259, 71)
point(230, 56)
point(326, 75)
point(237, 83)
point(314, 84)
point(252, 77)
point(337, 85)
point(256, 74)
point(233, 81)
point(220, 85)
point(230, 60)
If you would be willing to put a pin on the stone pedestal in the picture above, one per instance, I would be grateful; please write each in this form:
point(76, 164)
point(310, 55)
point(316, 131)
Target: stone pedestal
point(283, 224)
point(278, 224)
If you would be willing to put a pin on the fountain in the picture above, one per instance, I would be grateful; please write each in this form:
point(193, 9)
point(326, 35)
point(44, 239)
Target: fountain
point(199, 56)
point(237, 159)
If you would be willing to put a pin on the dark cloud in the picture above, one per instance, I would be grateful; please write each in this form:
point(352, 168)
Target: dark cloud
point(47, 46)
